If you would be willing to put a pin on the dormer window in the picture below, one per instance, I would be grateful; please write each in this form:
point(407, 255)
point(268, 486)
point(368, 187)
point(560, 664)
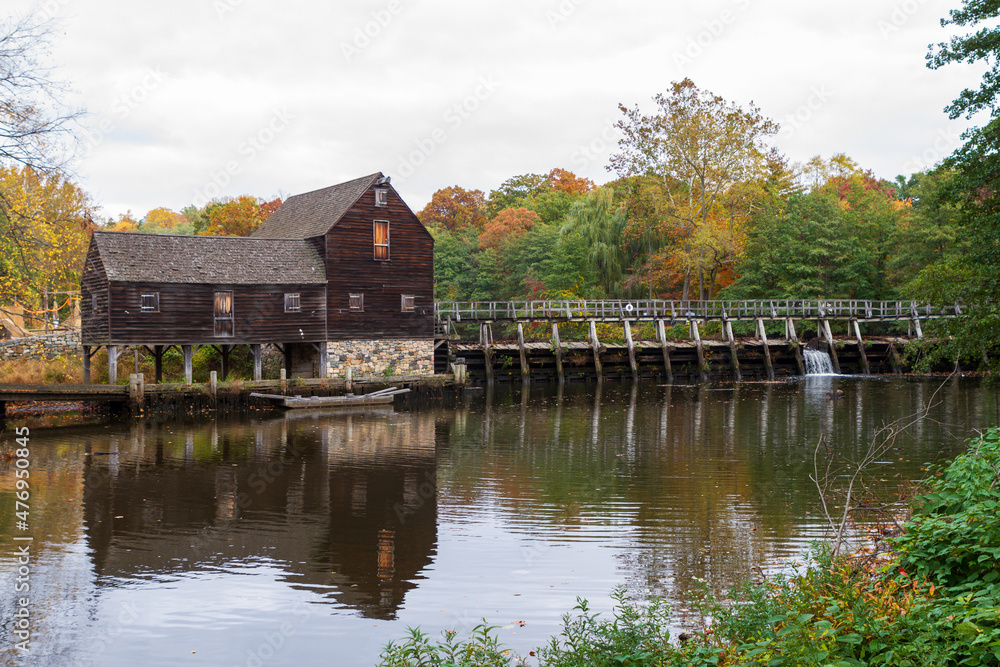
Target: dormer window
point(381, 197)
point(380, 232)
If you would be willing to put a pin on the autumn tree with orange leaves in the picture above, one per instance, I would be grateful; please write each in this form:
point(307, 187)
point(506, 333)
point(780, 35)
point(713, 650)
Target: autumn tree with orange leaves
point(455, 208)
point(703, 152)
point(238, 217)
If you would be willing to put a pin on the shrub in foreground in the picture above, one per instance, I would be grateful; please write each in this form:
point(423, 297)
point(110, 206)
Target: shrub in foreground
point(937, 602)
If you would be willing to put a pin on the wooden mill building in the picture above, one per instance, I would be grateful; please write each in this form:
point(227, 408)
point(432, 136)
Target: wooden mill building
point(335, 278)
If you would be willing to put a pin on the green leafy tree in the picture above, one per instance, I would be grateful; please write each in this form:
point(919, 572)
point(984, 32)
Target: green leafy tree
point(972, 279)
point(601, 225)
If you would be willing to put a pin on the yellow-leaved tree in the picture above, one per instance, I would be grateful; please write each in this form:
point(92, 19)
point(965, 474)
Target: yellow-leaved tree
point(45, 227)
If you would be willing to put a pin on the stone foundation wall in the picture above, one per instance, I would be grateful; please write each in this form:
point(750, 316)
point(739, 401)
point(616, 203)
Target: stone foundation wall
point(376, 357)
point(47, 346)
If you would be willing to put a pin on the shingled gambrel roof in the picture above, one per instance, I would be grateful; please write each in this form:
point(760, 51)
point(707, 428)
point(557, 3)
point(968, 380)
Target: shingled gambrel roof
point(220, 260)
point(314, 213)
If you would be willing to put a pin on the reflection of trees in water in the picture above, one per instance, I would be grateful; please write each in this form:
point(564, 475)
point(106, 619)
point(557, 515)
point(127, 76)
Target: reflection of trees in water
point(707, 481)
point(345, 506)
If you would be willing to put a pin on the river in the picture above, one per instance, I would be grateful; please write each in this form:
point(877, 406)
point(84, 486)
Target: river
point(313, 538)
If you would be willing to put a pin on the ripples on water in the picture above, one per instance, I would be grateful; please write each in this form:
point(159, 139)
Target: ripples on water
point(314, 538)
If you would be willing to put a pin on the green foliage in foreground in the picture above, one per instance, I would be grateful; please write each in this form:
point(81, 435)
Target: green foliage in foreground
point(937, 603)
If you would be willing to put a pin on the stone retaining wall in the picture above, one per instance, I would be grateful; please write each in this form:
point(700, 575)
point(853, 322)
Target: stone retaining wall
point(377, 357)
point(47, 346)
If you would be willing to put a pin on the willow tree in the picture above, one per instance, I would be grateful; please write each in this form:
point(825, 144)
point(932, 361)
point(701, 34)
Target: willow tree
point(601, 224)
point(702, 150)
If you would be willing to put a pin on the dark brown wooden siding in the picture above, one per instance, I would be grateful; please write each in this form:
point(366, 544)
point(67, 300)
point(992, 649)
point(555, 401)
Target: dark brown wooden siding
point(187, 314)
point(351, 267)
point(94, 300)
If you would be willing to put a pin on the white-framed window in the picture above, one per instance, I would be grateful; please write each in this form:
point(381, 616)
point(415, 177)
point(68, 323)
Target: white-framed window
point(357, 303)
point(149, 302)
point(293, 302)
point(407, 303)
point(381, 197)
point(380, 234)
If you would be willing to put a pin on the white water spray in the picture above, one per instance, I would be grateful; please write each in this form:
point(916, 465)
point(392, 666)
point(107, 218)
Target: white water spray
point(817, 362)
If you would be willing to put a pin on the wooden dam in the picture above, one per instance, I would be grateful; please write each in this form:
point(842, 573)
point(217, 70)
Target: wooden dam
point(668, 339)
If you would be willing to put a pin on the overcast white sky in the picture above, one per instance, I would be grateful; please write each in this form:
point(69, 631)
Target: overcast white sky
point(192, 99)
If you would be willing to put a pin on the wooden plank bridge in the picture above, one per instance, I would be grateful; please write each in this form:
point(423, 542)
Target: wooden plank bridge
point(639, 310)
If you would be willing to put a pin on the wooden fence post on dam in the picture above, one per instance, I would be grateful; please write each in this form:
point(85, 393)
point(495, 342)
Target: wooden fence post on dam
point(762, 334)
point(661, 335)
point(596, 345)
point(557, 348)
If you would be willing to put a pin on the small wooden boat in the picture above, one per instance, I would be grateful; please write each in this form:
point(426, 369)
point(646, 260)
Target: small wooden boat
point(380, 397)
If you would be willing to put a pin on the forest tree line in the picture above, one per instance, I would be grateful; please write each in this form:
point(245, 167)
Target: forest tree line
point(703, 207)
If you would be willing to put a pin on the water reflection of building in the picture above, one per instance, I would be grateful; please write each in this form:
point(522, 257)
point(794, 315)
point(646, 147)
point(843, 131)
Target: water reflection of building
point(342, 505)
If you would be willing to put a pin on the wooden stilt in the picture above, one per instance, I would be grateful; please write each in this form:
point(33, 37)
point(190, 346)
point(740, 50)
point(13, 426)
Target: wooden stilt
point(762, 334)
point(525, 372)
point(324, 361)
point(157, 364)
point(696, 335)
point(112, 364)
point(793, 339)
point(485, 334)
point(287, 352)
point(596, 346)
point(631, 351)
point(833, 348)
point(661, 334)
point(861, 347)
point(224, 352)
point(188, 372)
point(86, 364)
point(258, 361)
point(732, 350)
point(558, 352)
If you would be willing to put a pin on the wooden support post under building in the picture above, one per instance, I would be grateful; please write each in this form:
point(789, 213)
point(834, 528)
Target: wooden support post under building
point(631, 351)
point(188, 371)
point(762, 334)
point(286, 351)
point(732, 350)
point(696, 335)
point(485, 333)
point(157, 364)
point(558, 352)
point(258, 361)
point(861, 347)
point(794, 340)
point(829, 341)
point(224, 352)
point(596, 346)
point(525, 372)
point(86, 364)
point(324, 361)
point(661, 335)
point(112, 364)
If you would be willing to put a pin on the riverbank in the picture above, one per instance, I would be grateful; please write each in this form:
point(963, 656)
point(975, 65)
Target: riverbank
point(934, 599)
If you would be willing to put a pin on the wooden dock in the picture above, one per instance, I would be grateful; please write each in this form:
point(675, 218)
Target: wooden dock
point(138, 397)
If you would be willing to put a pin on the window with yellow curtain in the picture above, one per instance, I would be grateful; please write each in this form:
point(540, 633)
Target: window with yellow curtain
point(381, 239)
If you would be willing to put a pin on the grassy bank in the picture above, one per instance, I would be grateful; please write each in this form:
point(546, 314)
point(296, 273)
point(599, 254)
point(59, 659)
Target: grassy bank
point(935, 601)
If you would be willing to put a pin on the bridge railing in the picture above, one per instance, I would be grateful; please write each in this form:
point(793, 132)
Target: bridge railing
point(642, 309)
